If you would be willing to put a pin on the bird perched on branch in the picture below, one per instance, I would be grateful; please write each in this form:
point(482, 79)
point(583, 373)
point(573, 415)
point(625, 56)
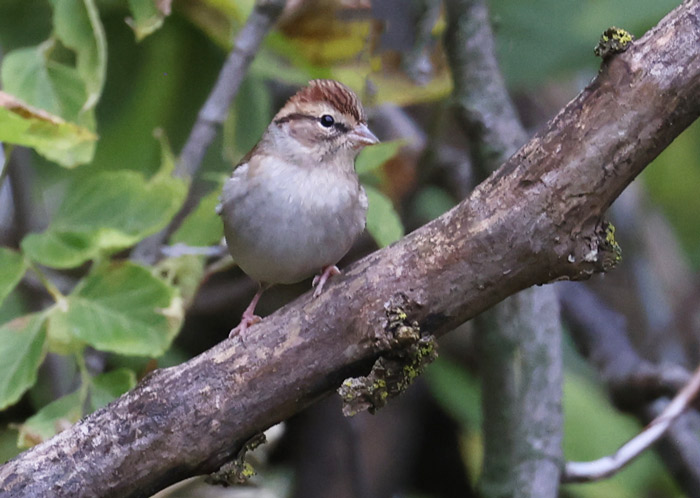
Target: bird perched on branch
point(294, 206)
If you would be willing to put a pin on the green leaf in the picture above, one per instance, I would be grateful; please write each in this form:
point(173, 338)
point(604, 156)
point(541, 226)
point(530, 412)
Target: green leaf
point(61, 249)
point(14, 306)
point(50, 420)
point(77, 24)
point(121, 308)
point(51, 136)
point(122, 201)
point(109, 386)
point(105, 212)
point(56, 89)
point(184, 273)
point(12, 268)
point(39, 76)
point(167, 157)
point(458, 392)
point(148, 17)
point(21, 352)
point(8, 443)
point(202, 227)
point(374, 156)
point(31, 76)
point(431, 202)
point(383, 223)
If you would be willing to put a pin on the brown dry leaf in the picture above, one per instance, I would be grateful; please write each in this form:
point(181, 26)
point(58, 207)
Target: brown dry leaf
point(327, 31)
point(51, 136)
point(26, 111)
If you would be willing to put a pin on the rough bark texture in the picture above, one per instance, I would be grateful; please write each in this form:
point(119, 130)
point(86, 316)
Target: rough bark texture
point(536, 219)
point(521, 368)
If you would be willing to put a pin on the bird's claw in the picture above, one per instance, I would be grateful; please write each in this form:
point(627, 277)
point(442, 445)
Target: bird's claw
point(246, 321)
point(320, 280)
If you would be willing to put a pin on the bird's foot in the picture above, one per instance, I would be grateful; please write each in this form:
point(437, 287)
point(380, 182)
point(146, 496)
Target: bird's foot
point(249, 317)
point(246, 321)
point(320, 280)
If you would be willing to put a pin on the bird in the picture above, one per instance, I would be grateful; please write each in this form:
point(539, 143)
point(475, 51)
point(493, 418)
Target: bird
point(294, 205)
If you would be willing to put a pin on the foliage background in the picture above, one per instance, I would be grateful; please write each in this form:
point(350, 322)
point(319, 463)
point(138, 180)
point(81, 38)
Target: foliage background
point(79, 322)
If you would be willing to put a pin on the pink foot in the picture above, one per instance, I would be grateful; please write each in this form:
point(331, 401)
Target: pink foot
point(320, 280)
point(246, 321)
point(249, 317)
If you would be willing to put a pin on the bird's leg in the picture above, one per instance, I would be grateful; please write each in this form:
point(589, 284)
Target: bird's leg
point(320, 279)
point(249, 317)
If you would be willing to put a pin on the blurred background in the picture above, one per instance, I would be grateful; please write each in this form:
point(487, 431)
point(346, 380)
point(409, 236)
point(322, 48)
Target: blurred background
point(135, 76)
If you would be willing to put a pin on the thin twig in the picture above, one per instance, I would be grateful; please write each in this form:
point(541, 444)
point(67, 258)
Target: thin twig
point(609, 465)
point(215, 109)
point(5, 153)
point(635, 384)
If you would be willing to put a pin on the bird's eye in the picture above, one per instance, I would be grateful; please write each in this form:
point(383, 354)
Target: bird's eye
point(327, 120)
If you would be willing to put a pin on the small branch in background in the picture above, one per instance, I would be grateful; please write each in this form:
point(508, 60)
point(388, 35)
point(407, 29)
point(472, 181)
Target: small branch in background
point(177, 250)
point(661, 280)
point(609, 465)
point(213, 113)
point(636, 385)
point(484, 107)
point(29, 213)
point(416, 61)
point(521, 337)
point(600, 334)
point(5, 153)
point(679, 450)
point(6, 210)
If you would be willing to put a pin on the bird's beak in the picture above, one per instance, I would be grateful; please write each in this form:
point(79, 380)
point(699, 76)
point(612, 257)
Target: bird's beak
point(361, 136)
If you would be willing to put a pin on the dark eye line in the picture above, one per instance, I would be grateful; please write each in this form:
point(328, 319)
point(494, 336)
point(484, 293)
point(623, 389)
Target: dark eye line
point(339, 127)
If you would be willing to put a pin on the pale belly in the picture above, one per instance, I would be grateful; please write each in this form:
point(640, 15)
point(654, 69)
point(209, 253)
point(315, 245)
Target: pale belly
point(285, 229)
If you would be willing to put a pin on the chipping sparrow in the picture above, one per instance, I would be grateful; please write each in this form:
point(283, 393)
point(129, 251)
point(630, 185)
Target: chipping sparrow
point(293, 206)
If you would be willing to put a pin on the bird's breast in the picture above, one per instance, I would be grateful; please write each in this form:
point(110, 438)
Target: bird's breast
point(283, 223)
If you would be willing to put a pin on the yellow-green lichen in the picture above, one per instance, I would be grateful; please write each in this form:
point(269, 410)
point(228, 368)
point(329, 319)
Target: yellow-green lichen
point(611, 249)
point(393, 372)
point(238, 471)
point(613, 41)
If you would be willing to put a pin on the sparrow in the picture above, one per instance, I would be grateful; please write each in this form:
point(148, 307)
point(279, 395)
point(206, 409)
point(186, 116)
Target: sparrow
point(294, 206)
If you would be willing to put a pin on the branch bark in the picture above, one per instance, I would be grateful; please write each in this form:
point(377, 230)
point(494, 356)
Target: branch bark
point(538, 218)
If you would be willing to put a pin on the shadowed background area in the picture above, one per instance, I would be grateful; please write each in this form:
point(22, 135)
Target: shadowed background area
point(79, 204)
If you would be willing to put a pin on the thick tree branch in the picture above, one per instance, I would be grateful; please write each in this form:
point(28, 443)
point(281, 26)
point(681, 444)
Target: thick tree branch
point(536, 219)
